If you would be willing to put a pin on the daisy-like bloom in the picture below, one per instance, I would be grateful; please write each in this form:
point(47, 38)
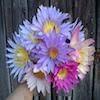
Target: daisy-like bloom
point(49, 18)
point(65, 76)
point(53, 51)
point(28, 36)
point(83, 53)
point(38, 81)
point(18, 58)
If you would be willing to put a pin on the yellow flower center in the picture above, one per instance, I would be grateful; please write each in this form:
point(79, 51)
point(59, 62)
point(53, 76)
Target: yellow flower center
point(53, 53)
point(49, 26)
point(82, 55)
point(21, 57)
point(32, 38)
point(62, 73)
point(39, 75)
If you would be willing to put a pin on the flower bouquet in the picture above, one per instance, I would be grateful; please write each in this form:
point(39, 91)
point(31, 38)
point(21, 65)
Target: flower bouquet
point(50, 50)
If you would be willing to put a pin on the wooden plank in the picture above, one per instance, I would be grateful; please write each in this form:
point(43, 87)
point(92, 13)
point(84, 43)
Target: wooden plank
point(60, 4)
point(14, 11)
point(8, 24)
point(96, 93)
point(61, 98)
point(53, 94)
point(33, 5)
point(64, 5)
point(19, 12)
point(86, 11)
point(4, 73)
point(8, 17)
point(69, 7)
point(36, 98)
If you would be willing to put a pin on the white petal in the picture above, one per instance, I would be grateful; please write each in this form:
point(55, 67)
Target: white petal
point(10, 50)
point(10, 61)
point(36, 69)
point(17, 72)
point(83, 69)
point(31, 81)
point(48, 87)
point(39, 86)
point(81, 76)
point(51, 66)
point(11, 66)
point(20, 75)
point(12, 44)
point(43, 90)
point(33, 86)
point(15, 39)
point(14, 70)
point(9, 55)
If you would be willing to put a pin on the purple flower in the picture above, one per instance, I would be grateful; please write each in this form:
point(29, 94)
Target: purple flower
point(53, 50)
point(49, 18)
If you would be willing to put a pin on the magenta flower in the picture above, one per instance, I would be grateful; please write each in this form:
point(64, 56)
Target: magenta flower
point(65, 76)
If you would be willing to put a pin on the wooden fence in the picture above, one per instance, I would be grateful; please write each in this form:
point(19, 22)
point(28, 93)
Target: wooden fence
point(12, 12)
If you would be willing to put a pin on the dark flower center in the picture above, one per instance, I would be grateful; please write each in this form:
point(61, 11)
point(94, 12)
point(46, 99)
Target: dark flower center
point(53, 52)
point(39, 75)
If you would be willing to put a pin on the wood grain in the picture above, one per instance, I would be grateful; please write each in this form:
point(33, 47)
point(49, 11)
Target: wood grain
point(85, 9)
point(96, 93)
point(13, 12)
point(4, 73)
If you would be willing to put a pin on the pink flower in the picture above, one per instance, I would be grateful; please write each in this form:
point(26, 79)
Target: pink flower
point(84, 50)
point(65, 76)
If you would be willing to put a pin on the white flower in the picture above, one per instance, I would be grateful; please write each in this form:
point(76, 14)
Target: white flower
point(18, 59)
point(37, 80)
point(85, 51)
